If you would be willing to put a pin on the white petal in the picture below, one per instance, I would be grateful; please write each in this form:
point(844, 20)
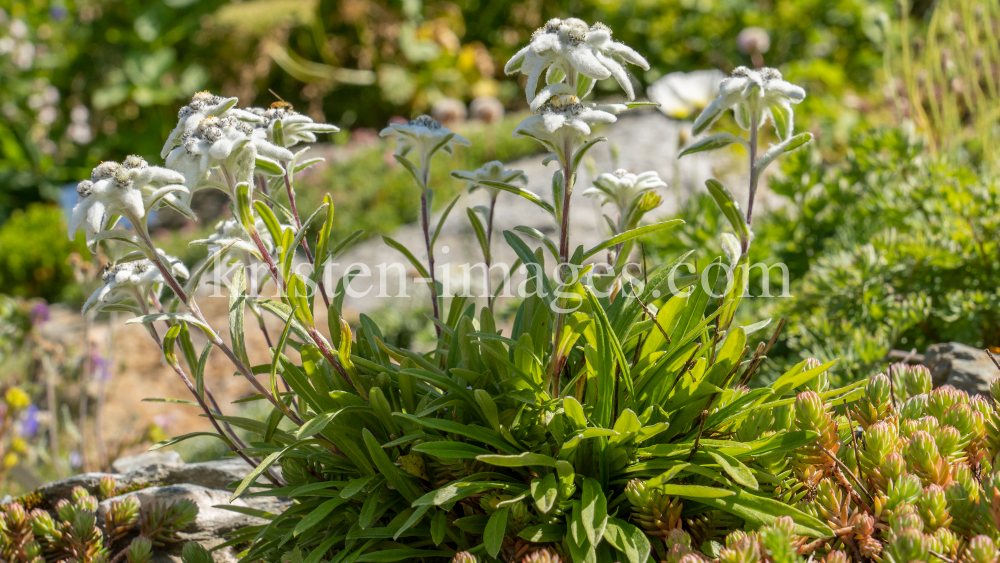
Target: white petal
point(221, 149)
point(712, 113)
point(589, 62)
point(131, 201)
point(95, 216)
point(628, 54)
point(580, 125)
point(794, 93)
point(514, 64)
point(599, 38)
point(732, 85)
point(535, 72)
point(76, 217)
point(618, 71)
point(553, 121)
point(271, 150)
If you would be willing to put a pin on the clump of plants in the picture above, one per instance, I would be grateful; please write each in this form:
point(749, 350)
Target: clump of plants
point(75, 532)
point(611, 422)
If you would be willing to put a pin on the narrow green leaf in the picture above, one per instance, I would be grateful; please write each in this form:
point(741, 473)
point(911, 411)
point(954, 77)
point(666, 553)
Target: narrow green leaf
point(632, 234)
point(496, 529)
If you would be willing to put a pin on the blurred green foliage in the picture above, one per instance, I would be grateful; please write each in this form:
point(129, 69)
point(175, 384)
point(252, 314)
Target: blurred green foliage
point(77, 72)
point(905, 249)
point(35, 257)
point(888, 248)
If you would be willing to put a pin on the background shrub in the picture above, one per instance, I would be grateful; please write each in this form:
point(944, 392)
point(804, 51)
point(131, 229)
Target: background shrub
point(35, 257)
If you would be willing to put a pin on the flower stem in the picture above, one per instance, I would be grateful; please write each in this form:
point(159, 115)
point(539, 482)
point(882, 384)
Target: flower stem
point(425, 223)
point(298, 226)
point(489, 250)
point(556, 364)
point(753, 169)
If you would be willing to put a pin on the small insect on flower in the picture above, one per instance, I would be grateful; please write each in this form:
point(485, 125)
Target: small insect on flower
point(282, 104)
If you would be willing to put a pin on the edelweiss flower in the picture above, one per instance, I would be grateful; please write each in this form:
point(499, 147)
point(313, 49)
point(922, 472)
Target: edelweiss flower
point(231, 232)
point(132, 281)
point(750, 93)
point(295, 127)
point(564, 115)
point(424, 134)
point(632, 194)
point(129, 189)
point(213, 142)
point(493, 171)
point(203, 105)
point(621, 188)
point(682, 93)
point(568, 44)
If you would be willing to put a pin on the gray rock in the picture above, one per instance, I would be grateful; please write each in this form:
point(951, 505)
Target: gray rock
point(167, 468)
point(62, 488)
point(151, 468)
point(211, 525)
point(141, 462)
point(963, 367)
point(211, 474)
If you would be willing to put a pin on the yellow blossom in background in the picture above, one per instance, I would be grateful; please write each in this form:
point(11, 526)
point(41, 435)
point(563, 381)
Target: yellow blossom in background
point(19, 445)
point(16, 399)
point(10, 460)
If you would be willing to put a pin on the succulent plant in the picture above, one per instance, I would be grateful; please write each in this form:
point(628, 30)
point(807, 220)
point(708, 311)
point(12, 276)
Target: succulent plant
point(73, 532)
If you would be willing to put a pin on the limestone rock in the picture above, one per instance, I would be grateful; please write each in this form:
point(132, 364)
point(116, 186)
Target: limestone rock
point(963, 367)
point(209, 528)
point(167, 468)
point(62, 488)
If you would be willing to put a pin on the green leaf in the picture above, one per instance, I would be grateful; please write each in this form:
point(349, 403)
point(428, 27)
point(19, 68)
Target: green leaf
point(593, 510)
point(265, 165)
point(582, 151)
point(243, 206)
point(355, 486)
point(450, 450)
point(480, 230)
point(760, 511)
point(444, 216)
point(290, 249)
point(412, 169)
point(539, 236)
point(696, 492)
point(439, 526)
point(270, 220)
point(369, 508)
point(118, 235)
point(317, 515)
point(524, 459)
point(496, 529)
point(480, 434)
point(528, 195)
point(276, 359)
point(734, 468)
point(409, 256)
point(730, 209)
point(392, 555)
point(237, 314)
point(268, 462)
point(178, 439)
point(545, 491)
point(393, 475)
point(631, 234)
point(174, 318)
point(711, 143)
point(628, 539)
point(544, 533)
point(415, 517)
point(788, 145)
